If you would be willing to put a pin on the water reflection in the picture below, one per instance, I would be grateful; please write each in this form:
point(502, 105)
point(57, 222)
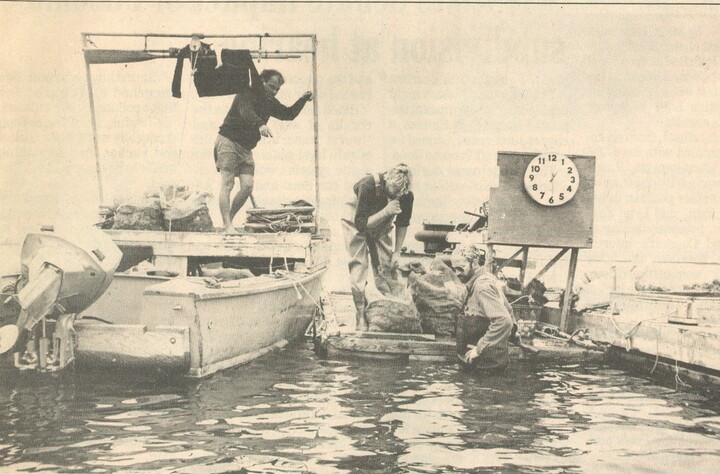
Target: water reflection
point(290, 412)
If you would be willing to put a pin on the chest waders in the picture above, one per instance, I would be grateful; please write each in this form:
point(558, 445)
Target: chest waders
point(369, 247)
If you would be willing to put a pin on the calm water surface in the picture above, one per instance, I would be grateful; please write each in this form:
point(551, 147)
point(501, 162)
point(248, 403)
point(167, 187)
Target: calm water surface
point(291, 412)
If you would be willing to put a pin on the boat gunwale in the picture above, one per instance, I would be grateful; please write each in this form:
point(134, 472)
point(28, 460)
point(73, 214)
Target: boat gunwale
point(250, 286)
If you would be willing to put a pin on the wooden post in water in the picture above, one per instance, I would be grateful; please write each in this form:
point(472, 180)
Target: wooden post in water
point(567, 303)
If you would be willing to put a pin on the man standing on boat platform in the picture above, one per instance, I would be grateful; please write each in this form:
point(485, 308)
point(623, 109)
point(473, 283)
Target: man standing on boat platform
point(244, 124)
point(378, 201)
point(485, 328)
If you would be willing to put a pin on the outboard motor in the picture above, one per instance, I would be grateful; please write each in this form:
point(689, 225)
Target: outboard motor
point(62, 273)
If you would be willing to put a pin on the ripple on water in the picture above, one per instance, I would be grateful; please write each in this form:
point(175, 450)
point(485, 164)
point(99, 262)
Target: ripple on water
point(290, 412)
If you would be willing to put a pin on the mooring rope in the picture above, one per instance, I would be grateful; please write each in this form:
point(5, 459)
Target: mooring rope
point(678, 380)
point(657, 350)
point(628, 335)
point(287, 275)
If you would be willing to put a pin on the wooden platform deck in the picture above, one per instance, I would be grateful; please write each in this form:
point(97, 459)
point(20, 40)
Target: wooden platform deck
point(336, 338)
point(681, 328)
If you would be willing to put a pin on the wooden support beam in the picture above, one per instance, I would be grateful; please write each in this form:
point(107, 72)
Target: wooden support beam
point(508, 260)
point(567, 303)
point(523, 266)
point(551, 263)
point(490, 258)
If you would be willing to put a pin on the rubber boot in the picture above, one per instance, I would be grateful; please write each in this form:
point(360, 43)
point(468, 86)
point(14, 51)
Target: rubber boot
point(361, 322)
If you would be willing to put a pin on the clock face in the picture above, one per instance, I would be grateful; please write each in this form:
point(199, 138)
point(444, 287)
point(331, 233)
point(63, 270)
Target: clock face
point(551, 179)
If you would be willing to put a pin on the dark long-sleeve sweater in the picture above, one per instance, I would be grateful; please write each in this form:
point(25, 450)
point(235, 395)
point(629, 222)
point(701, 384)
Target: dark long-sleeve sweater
point(250, 110)
point(372, 199)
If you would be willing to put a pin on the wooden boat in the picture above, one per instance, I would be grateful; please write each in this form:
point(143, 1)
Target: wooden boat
point(335, 338)
point(174, 317)
point(197, 325)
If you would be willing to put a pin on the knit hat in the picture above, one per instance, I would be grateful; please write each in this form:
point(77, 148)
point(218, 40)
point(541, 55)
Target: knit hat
point(471, 252)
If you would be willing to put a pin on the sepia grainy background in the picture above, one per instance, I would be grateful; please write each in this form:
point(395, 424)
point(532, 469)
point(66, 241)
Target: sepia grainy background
point(442, 87)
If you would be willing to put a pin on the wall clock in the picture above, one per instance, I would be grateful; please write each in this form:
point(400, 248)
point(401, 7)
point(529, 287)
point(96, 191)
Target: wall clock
point(551, 179)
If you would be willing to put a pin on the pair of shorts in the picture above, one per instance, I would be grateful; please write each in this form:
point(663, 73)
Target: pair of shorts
point(233, 158)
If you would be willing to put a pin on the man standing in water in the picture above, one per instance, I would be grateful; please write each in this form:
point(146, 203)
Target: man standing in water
point(378, 201)
point(244, 124)
point(487, 309)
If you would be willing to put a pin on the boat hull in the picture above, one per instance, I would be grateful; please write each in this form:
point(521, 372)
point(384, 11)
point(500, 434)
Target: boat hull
point(182, 325)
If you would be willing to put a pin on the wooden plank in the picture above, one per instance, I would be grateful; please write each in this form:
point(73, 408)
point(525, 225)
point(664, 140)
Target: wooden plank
point(388, 346)
point(148, 237)
point(280, 210)
point(539, 350)
point(390, 336)
point(215, 244)
point(292, 226)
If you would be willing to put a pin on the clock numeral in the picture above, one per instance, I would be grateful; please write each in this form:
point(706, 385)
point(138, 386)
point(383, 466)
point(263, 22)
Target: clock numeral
point(534, 187)
point(572, 179)
point(532, 176)
point(552, 157)
point(569, 189)
point(536, 169)
point(551, 200)
point(541, 160)
point(562, 162)
point(570, 170)
point(562, 196)
point(542, 195)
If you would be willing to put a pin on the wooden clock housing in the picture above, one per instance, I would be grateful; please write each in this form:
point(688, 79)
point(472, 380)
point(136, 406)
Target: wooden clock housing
point(516, 219)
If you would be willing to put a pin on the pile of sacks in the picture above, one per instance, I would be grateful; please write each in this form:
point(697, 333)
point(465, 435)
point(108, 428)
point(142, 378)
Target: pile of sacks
point(439, 297)
point(171, 208)
point(389, 305)
point(428, 302)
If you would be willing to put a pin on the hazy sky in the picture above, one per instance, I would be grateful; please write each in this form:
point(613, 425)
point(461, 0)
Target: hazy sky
point(440, 87)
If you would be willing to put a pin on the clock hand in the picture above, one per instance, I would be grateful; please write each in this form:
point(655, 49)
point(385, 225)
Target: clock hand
point(553, 176)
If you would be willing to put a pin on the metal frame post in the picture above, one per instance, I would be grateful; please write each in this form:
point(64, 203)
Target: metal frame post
point(316, 131)
point(94, 123)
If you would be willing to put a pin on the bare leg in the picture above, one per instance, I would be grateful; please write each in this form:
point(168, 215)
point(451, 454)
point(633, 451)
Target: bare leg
point(247, 183)
point(227, 182)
